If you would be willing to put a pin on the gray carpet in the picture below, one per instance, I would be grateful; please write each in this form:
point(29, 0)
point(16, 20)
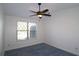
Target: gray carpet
point(38, 50)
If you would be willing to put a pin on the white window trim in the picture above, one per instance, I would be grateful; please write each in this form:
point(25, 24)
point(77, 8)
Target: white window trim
point(27, 30)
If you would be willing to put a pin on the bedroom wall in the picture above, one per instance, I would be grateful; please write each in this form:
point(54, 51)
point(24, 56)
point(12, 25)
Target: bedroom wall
point(11, 41)
point(62, 31)
point(1, 30)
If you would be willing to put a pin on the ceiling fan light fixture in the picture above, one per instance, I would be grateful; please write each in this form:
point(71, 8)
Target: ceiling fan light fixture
point(40, 16)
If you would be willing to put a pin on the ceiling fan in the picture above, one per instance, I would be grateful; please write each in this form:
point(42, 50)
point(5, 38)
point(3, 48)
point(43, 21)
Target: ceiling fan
point(40, 13)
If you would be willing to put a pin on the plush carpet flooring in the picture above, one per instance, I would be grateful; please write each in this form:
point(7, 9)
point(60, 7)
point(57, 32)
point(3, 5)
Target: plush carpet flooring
point(38, 50)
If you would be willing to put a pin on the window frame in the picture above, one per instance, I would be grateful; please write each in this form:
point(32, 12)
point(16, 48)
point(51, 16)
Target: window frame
point(20, 30)
point(27, 30)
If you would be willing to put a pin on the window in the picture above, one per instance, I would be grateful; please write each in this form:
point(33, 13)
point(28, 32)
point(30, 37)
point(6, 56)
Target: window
point(32, 30)
point(26, 30)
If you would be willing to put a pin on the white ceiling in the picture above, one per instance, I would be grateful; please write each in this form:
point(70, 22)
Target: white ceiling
point(23, 9)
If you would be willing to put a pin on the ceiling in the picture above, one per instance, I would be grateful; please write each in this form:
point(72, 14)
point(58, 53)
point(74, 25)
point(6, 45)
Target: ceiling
point(23, 9)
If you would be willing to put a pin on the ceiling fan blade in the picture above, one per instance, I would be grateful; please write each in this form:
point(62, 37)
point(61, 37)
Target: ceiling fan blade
point(45, 10)
point(46, 14)
point(33, 11)
point(32, 15)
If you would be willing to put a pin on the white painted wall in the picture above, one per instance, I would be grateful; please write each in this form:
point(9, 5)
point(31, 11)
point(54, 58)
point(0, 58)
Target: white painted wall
point(62, 31)
point(11, 41)
point(1, 30)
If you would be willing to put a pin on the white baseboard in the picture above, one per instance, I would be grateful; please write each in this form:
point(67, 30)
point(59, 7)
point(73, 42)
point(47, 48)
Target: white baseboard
point(63, 49)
